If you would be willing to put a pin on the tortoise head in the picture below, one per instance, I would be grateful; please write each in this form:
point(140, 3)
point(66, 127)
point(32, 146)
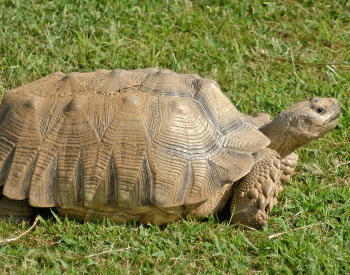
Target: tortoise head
point(301, 123)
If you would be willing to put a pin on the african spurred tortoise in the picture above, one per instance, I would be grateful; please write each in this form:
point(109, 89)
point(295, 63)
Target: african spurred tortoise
point(149, 145)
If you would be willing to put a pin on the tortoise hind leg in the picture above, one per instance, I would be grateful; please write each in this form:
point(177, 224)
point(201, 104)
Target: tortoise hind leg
point(19, 210)
point(256, 193)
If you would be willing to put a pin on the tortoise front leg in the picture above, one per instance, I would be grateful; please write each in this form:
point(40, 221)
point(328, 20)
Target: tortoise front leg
point(255, 194)
point(288, 165)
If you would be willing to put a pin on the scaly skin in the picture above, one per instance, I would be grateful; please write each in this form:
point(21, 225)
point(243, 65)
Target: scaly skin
point(288, 165)
point(289, 162)
point(256, 193)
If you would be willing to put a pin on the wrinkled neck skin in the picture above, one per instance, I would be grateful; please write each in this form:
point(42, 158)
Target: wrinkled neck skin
point(283, 139)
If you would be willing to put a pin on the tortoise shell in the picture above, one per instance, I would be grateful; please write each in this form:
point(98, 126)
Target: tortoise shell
point(129, 140)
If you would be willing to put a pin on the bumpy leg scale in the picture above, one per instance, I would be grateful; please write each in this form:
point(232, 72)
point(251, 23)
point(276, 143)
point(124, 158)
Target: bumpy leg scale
point(256, 193)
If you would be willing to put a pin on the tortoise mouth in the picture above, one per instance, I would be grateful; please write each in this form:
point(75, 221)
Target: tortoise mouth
point(334, 117)
point(332, 123)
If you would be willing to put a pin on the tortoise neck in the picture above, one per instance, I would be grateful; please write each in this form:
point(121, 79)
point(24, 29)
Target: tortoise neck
point(280, 132)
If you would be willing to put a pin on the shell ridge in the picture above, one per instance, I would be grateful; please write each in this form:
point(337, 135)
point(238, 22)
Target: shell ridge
point(20, 173)
point(6, 160)
point(43, 189)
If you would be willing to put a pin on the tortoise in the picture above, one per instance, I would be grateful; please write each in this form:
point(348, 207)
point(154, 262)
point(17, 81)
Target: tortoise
point(147, 145)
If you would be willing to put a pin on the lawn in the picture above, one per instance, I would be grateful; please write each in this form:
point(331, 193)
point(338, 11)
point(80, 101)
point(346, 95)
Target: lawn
point(266, 56)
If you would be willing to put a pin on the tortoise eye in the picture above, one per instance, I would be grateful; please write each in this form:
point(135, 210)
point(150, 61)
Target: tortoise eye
point(320, 111)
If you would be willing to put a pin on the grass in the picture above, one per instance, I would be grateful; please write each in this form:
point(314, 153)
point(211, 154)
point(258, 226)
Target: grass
point(243, 45)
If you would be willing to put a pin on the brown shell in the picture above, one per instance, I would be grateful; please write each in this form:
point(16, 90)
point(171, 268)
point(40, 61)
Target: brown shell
point(126, 139)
